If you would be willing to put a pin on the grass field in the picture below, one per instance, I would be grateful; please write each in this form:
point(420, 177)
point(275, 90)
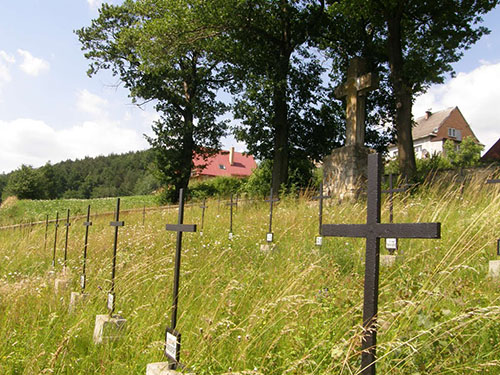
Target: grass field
point(292, 310)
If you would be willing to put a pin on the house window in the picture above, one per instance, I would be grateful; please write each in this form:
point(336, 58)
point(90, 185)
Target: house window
point(418, 149)
point(222, 166)
point(452, 132)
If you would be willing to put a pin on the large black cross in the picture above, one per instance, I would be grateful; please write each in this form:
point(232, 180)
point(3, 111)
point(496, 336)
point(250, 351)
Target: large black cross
point(320, 197)
point(117, 223)
point(67, 225)
point(495, 181)
point(271, 200)
point(203, 207)
point(172, 337)
point(83, 277)
point(55, 240)
point(231, 204)
point(373, 230)
point(391, 192)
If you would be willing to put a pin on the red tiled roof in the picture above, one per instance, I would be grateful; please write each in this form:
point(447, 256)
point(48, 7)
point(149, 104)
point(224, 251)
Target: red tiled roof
point(218, 165)
point(493, 153)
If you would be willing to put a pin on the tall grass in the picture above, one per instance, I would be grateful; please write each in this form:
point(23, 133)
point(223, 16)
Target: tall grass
point(292, 310)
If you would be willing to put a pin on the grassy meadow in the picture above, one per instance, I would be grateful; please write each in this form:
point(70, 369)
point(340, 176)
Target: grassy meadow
point(293, 310)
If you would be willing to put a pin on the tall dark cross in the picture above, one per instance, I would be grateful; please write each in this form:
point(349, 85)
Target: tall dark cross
point(83, 277)
point(46, 231)
point(320, 197)
point(67, 225)
point(172, 337)
point(117, 223)
point(392, 243)
point(271, 200)
point(55, 240)
point(495, 181)
point(231, 204)
point(203, 207)
point(143, 215)
point(373, 230)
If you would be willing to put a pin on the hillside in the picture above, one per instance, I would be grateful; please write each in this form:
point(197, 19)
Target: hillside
point(293, 310)
point(102, 176)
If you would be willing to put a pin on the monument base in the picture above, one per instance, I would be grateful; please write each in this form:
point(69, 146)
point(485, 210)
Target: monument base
point(75, 299)
point(108, 328)
point(494, 270)
point(345, 172)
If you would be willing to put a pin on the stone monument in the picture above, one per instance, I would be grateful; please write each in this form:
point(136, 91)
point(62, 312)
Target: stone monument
point(345, 168)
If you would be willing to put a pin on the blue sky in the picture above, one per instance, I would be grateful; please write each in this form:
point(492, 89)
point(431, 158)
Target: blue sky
point(51, 110)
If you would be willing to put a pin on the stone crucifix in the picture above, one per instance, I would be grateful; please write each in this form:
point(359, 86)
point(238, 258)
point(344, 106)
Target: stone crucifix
point(358, 83)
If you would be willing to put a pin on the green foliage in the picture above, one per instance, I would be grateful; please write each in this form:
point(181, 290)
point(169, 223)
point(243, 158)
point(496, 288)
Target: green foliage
point(220, 186)
point(467, 154)
point(25, 183)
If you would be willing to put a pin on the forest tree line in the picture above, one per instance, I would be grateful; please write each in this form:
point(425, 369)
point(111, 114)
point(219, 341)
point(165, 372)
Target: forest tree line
point(102, 176)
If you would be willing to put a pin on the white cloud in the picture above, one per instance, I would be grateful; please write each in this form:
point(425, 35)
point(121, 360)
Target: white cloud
point(32, 65)
point(477, 96)
point(91, 103)
point(33, 142)
point(5, 61)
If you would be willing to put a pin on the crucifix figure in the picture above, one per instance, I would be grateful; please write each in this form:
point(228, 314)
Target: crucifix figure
point(354, 89)
point(117, 223)
point(373, 230)
point(172, 337)
point(320, 197)
point(271, 200)
point(391, 244)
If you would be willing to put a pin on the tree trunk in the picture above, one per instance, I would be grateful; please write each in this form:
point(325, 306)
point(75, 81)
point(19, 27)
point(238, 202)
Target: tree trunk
point(403, 95)
point(281, 127)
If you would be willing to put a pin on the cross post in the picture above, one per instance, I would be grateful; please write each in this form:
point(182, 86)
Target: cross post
point(172, 337)
point(320, 198)
point(55, 240)
point(392, 246)
point(143, 215)
point(231, 204)
point(67, 225)
point(271, 200)
point(83, 277)
point(46, 230)
point(203, 207)
point(373, 230)
point(117, 223)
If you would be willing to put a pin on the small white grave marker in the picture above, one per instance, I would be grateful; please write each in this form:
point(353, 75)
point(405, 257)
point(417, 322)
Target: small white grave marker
point(269, 237)
point(82, 281)
point(230, 236)
point(391, 244)
point(319, 241)
point(171, 346)
point(111, 299)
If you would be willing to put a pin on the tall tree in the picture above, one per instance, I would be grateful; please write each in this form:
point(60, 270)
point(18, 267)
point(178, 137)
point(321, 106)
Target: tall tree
point(277, 80)
point(144, 43)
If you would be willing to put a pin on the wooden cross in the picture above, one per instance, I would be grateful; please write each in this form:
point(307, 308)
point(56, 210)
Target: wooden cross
point(117, 223)
point(203, 207)
point(55, 240)
point(373, 230)
point(320, 197)
point(271, 200)
point(172, 337)
point(392, 246)
point(231, 204)
point(495, 181)
point(354, 90)
point(87, 224)
point(67, 225)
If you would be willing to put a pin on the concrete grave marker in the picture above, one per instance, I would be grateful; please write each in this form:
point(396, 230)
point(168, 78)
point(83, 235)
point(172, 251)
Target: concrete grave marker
point(373, 230)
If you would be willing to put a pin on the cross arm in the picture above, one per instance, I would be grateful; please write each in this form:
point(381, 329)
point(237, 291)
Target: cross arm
point(496, 181)
point(87, 223)
point(117, 223)
point(181, 227)
point(419, 230)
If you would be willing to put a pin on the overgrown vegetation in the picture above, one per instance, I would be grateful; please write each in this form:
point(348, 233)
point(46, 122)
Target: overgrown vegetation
point(294, 310)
